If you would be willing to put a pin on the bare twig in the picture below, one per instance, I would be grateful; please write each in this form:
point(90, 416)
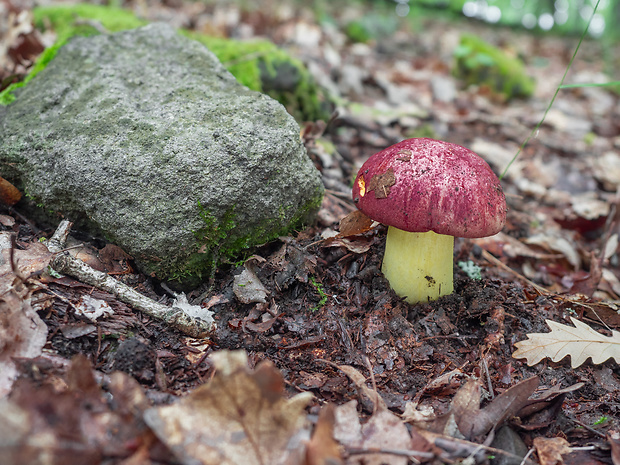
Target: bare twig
point(66, 264)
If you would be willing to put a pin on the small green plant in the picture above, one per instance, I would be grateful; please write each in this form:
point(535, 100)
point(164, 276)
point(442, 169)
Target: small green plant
point(600, 421)
point(319, 289)
point(471, 269)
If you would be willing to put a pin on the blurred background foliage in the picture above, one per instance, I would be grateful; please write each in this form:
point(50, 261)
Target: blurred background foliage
point(568, 17)
point(562, 17)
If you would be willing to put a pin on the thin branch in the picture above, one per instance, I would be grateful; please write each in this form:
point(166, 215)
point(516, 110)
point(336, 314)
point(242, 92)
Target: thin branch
point(67, 264)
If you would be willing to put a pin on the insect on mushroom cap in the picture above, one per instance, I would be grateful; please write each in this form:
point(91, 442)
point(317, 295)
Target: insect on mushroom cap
point(421, 185)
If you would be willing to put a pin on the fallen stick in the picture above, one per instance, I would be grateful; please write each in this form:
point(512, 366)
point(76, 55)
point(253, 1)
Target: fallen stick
point(67, 264)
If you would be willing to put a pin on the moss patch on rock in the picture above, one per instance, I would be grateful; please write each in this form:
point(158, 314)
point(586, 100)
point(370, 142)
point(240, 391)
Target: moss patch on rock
point(480, 63)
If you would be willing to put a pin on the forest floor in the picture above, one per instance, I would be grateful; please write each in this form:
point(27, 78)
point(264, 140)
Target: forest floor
point(330, 325)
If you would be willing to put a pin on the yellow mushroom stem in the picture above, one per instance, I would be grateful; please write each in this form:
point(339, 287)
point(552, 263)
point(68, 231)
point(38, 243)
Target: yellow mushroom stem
point(418, 266)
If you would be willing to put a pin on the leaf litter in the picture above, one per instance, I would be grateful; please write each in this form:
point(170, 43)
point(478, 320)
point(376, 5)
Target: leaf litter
point(434, 382)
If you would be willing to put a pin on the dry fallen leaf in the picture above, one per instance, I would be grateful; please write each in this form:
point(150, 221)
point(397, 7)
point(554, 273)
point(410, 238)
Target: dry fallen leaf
point(9, 194)
point(613, 437)
point(248, 288)
point(22, 332)
point(550, 450)
point(580, 342)
point(473, 421)
point(323, 448)
point(239, 417)
point(71, 420)
point(368, 443)
point(371, 443)
point(354, 223)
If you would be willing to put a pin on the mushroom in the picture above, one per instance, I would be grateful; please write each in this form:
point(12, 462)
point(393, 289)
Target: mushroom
point(427, 192)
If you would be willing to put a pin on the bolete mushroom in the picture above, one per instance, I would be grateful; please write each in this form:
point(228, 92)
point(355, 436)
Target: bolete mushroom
point(428, 192)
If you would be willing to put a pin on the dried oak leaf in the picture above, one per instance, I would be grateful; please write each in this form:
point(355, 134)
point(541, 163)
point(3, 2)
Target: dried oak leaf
point(580, 342)
point(239, 417)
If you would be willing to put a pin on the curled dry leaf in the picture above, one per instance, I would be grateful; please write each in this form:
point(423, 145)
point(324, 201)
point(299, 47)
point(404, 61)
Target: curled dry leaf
point(473, 421)
point(239, 417)
point(580, 342)
point(248, 288)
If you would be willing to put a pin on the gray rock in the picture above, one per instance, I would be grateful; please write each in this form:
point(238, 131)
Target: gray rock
point(147, 136)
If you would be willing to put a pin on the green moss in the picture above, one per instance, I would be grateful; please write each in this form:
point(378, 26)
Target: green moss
point(257, 64)
point(589, 138)
point(263, 67)
point(478, 62)
point(7, 96)
point(377, 24)
point(84, 19)
point(423, 130)
point(357, 32)
point(216, 241)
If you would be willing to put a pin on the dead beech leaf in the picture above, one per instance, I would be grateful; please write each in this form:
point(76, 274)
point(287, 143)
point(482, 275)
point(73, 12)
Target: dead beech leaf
point(580, 342)
point(240, 417)
point(550, 450)
point(473, 421)
point(354, 223)
point(9, 194)
point(323, 448)
point(364, 443)
point(22, 332)
point(613, 437)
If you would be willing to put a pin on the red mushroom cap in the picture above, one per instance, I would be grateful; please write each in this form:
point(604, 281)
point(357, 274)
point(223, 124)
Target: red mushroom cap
point(421, 185)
